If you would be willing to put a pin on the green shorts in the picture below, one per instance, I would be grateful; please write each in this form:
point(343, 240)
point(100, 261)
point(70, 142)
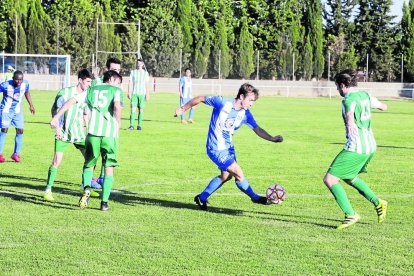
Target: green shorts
point(96, 145)
point(138, 101)
point(61, 146)
point(348, 164)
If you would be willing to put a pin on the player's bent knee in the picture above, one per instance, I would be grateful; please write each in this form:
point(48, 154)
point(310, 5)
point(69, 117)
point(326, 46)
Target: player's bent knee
point(19, 130)
point(4, 130)
point(330, 180)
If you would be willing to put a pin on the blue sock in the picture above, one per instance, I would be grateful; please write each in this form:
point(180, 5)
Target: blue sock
point(191, 113)
point(245, 187)
point(213, 186)
point(2, 140)
point(18, 142)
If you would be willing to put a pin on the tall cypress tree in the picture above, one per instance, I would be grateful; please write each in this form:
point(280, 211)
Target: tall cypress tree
point(307, 58)
point(407, 42)
point(202, 44)
point(37, 26)
point(314, 23)
point(184, 19)
point(245, 51)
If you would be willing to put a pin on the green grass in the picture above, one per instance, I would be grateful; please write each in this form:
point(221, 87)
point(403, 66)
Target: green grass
point(154, 228)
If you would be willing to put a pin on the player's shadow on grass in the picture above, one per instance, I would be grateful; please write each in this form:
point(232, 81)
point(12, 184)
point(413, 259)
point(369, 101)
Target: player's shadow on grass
point(34, 179)
point(131, 198)
point(35, 199)
point(37, 123)
point(381, 146)
point(173, 120)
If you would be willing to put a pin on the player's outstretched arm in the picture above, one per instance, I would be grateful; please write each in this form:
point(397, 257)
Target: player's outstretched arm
point(264, 135)
point(375, 103)
point(55, 120)
point(195, 101)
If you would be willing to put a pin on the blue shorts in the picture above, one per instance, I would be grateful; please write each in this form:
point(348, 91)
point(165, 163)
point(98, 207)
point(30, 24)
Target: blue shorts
point(11, 119)
point(222, 158)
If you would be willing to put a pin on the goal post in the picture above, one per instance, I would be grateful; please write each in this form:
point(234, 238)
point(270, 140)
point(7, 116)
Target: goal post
point(44, 72)
point(128, 57)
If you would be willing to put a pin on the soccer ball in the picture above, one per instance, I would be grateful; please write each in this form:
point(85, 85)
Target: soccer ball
point(276, 193)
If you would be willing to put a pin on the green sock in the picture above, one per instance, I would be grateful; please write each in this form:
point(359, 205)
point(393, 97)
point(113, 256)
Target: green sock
point(132, 119)
point(140, 117)
point(87, 177)
point(342, 199)
point(102, 171)
point(365, 191)
point(106, 187)
point(51, 177)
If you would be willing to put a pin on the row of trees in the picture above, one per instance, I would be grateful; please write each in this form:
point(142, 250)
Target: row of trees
point(300, 39)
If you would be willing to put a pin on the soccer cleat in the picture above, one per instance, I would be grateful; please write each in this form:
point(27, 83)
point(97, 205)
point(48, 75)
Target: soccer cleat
point(262, 200)
point(349, 221)
point(15, 157)
point(190, 121)
point(183, 122)
point(200, 203)
point(48, 196)
point(95, 184)
point(93, 193)
point(2, 159)
point(100, 180)
point(83, 201)
point(104, 206)
point(381, 209)
point(130, 128)
point(139, 128)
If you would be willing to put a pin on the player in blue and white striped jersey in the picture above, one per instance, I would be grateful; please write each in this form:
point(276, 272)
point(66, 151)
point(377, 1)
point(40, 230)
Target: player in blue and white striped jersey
point(185, 88)
point(11, 113)
point(228, 116)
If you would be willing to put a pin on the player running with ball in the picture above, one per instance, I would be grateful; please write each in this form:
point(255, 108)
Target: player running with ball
point(359, 148)
point(228, 115)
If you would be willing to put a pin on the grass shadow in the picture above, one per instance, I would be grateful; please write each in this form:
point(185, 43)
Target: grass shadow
point(35, 199)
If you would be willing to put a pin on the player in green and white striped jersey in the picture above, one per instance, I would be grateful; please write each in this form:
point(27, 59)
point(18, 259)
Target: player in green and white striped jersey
point(359, 148)
point(71, 129)
point(115, 65)
point(105, 105)
point(138, 92)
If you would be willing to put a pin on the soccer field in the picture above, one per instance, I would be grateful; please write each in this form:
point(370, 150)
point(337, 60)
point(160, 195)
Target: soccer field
point(154, 227)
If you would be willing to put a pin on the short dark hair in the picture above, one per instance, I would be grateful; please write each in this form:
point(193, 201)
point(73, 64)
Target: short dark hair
point(185, 70)
point(111, 74)
point(85, 74)
point(348, 77)
point(18, 72)
point(139, 60)
point(247, 88)
point(112, 60)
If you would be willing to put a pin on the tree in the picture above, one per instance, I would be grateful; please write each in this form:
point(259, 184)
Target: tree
point(336, 14)
point(245, 50)
point(38, 23)
point(221, 51)
point(307, 57)
point(161, 37)
point(375, 35)
point(313, 17)
point(407, 41)
point(201, 44)
point(184, 8)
